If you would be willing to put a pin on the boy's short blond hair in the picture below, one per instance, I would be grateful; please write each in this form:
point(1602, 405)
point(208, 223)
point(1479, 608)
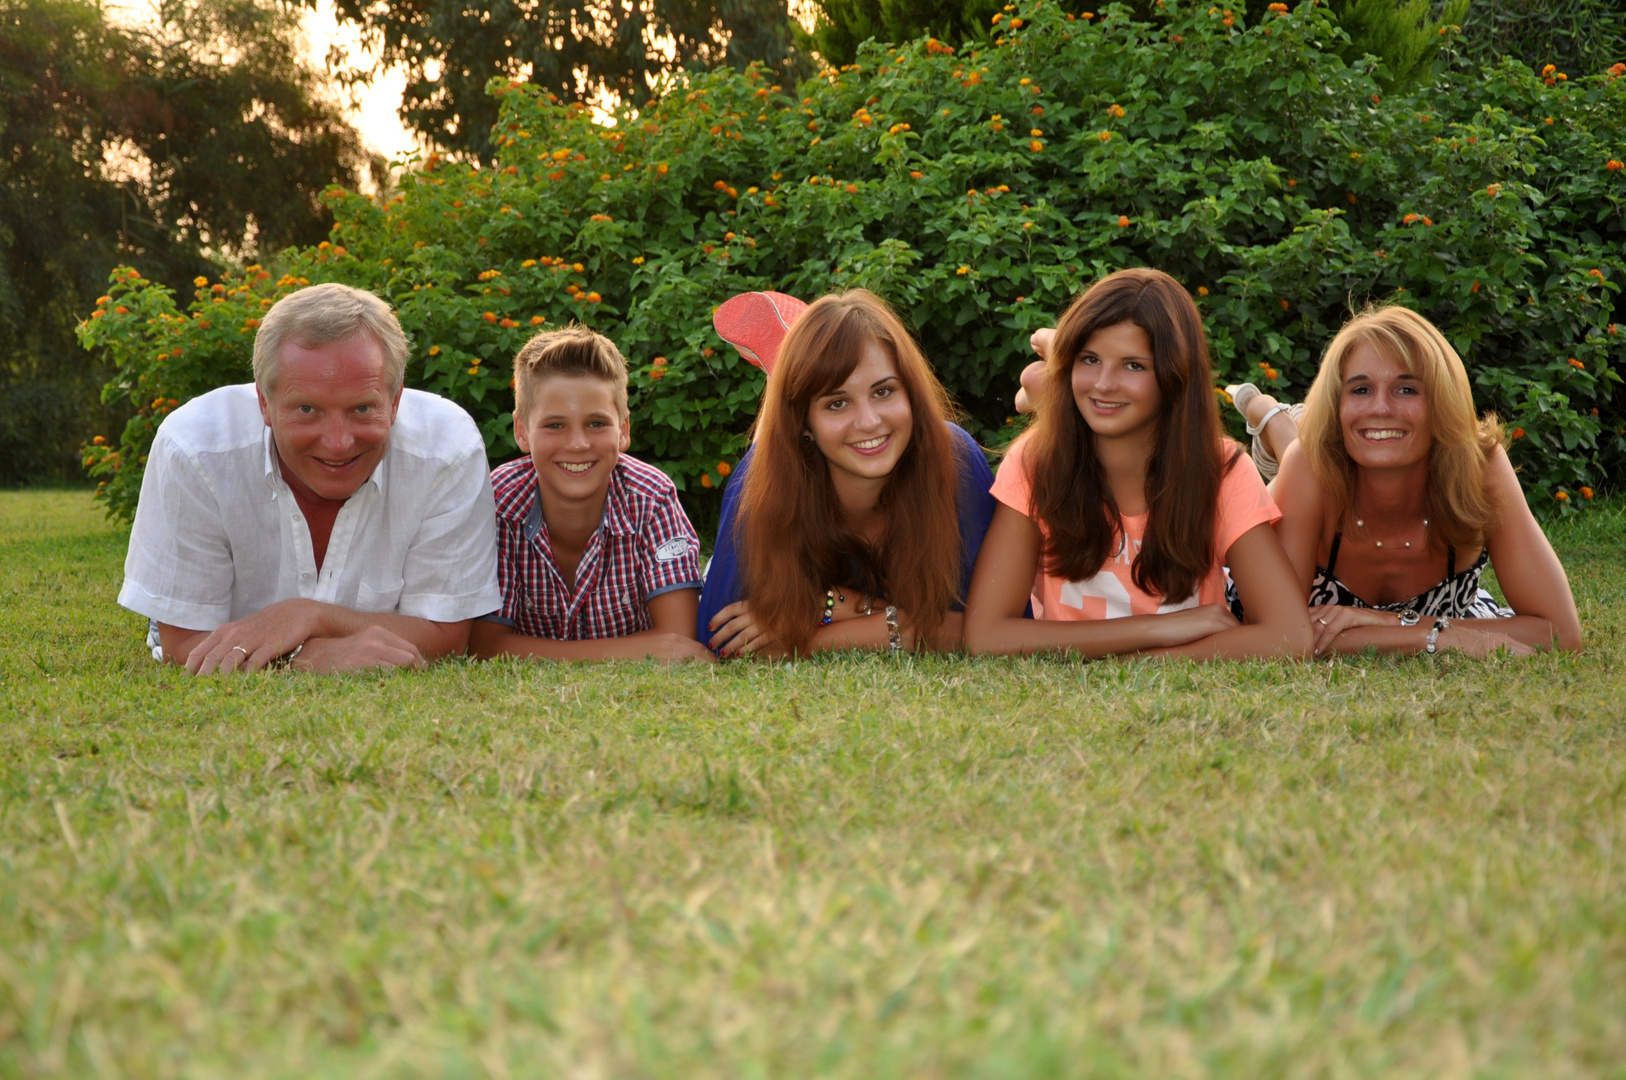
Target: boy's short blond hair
point(573, 351)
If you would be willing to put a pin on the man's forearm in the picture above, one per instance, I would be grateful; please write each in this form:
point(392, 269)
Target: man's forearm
point(433, 639)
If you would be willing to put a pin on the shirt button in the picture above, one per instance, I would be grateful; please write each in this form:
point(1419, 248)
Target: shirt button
point(304, 577)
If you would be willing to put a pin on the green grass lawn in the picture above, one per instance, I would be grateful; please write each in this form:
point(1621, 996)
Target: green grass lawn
point(850, 867)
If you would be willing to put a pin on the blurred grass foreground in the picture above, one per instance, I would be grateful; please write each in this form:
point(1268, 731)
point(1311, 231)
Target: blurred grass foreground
point(849, 867)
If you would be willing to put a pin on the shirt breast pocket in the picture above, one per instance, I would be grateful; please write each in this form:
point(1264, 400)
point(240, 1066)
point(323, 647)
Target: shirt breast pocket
point(378, 600)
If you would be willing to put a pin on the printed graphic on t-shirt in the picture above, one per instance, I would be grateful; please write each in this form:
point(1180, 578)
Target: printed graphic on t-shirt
point(1106, 595)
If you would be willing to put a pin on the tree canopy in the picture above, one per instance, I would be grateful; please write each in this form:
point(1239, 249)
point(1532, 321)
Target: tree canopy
point(200, 134)
point(450, 50)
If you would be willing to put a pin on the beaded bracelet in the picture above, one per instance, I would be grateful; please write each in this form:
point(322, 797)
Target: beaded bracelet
point(830, 607)
point(894, 639)
point(1441, 623)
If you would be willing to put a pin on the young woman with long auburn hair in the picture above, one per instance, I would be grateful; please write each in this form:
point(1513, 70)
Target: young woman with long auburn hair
point(1121, 507)
point(855, 518)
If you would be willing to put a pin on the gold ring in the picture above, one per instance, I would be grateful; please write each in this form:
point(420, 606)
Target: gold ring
point(239, 648)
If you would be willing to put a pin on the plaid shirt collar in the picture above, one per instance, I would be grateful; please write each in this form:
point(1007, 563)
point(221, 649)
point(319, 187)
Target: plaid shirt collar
point(526, 510)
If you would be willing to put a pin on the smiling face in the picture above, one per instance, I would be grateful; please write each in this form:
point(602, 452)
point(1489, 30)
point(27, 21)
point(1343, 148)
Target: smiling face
point(1383, 411)
point(575, 435)
point(330, 414)
point(1114, 385)
point(862, 427)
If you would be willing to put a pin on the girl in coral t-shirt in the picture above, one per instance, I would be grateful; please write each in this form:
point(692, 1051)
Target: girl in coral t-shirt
point(1120, 509)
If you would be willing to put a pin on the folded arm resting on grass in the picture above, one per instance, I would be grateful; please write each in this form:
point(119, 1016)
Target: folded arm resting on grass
point(739, 633)
point(671, 638)
point(1527, 570)
point(333, 639)
point(1005, 573)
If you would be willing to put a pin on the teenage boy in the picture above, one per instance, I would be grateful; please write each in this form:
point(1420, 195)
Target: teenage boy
point(596, 559)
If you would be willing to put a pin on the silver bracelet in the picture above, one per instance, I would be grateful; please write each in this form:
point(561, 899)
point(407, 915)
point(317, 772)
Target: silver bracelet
point(894, 640)
point(1430, 645)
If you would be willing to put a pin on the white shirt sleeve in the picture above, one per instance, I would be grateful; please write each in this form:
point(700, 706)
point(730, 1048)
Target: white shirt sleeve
point(450, 571)
point(179, 567)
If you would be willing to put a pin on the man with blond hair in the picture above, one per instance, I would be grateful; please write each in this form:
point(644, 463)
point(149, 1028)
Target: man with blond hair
point(320, 517)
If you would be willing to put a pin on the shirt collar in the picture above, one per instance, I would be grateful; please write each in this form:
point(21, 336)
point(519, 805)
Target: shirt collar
point(618, 519)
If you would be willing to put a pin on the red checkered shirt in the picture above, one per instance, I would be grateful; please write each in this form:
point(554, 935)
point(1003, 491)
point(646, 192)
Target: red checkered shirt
point(644, 547)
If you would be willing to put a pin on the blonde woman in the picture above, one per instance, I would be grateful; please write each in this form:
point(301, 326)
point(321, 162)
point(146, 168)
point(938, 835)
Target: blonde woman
point(1395, 496)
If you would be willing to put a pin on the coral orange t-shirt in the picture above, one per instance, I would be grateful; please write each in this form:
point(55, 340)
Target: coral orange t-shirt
point(1112, 593)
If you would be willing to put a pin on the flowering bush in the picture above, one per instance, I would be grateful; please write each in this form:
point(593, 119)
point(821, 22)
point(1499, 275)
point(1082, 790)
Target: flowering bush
point(978, 192)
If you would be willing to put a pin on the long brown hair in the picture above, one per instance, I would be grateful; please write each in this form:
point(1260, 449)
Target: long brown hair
point(1460, 508)
point(1070, 493)
point(793, 541)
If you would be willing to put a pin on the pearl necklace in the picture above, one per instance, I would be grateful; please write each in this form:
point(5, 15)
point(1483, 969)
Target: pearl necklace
point(1360, 524)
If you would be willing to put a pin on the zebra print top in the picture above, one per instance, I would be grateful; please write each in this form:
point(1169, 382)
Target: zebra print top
point(1457, 597)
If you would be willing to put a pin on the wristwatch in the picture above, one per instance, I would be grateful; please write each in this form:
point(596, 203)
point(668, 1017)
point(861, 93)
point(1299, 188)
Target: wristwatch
point(1409, 617)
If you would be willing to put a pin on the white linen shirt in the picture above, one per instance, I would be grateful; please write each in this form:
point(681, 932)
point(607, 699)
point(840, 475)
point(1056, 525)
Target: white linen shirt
point(219, 536)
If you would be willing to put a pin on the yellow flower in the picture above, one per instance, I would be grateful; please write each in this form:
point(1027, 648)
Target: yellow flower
point(962, 271)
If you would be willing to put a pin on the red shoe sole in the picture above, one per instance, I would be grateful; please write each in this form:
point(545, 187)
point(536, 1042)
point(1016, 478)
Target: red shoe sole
point(755, 323)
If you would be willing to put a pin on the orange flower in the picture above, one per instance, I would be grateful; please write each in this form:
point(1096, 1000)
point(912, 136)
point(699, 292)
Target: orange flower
point(964, 270)
point(1596, 273)
point(594, 298)
point(1518, 433)
point(658, 373)
point(1562, 496)
point(1475, 288)
point(1493, 190)
point(1615, 166)
point(1574, 363)
point(1202, 290)
point(1105, 136)
point(1586, 493)
point(100, 440)
point(724, 468)
point(851, 189)
point(659, 361)
point(121, 310)
point(1036, 146)
point(705, 480)
point(1351, 198)
point(915, 175)
point(490, 316)
point(509, 323)
point(1123, 222)
point(1283, 303)
point(537, 320)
